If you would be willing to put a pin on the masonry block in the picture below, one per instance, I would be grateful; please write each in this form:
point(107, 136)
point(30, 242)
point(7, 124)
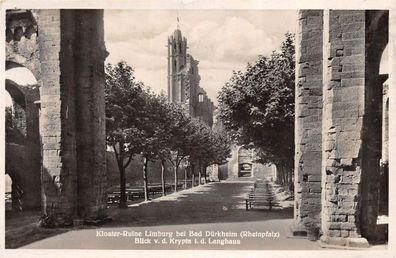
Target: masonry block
point(73, 138)
point(308, 118)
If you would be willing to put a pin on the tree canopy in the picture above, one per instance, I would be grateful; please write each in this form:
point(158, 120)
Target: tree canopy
point(141, 122)
point(257, 105)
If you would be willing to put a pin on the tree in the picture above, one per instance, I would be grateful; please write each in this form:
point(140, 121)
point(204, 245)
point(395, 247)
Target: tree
point(164, 152)
point(9, 117)
point(125, 112)
point(156, 135)
point(199, 144)
point(207, 147)
point(258, 107)
point(179, 141)
point(12, 132)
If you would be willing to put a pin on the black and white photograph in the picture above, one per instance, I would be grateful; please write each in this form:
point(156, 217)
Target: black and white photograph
point(170, 128)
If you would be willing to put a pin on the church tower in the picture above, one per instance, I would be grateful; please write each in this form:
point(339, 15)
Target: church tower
point(184, 80)
point(177, 57)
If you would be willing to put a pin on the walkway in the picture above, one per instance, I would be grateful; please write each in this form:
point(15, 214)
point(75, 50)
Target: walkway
point(211, 216)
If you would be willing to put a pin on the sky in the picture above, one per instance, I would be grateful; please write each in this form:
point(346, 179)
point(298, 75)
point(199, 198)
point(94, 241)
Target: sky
point(221, 40)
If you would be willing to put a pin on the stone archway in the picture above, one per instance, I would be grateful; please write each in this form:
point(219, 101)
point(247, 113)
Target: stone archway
point(245, 162)
point(23, 156)
point(65, 51)
point(377, 24)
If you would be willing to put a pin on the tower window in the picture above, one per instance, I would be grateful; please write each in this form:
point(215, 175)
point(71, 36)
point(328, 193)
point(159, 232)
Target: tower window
point(200, 97)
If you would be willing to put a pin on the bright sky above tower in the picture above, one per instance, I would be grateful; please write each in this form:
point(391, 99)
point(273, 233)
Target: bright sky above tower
point(221, 40)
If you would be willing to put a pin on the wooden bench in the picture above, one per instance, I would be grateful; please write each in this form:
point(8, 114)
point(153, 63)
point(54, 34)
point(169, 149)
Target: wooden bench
point(262, 195)
point(114, 197)
point(138, 192)
point(261, 200)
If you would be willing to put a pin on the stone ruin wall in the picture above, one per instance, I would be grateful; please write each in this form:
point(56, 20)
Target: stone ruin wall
point(23, 157)
point(308, 130)
point(67, 59)
point(344, 54)
point(343, 48)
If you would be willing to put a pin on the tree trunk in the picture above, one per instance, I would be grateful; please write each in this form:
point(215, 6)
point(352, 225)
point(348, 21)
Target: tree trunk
point(291, 182)
point(145, 184)
point(175, 171)
point(120, 162)
point(286, 176)
point(278, 174)
point(192, 176)
point(123, 200)
point(280, 171)
point(163, 177)
point(205, 175)
point(199, 175)
point(185, 178)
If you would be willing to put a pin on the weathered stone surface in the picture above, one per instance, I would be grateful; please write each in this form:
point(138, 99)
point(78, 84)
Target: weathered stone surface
point(23, 156)
point(60, 47)
point(344, 241)
point(350, 134)
point(308, 136)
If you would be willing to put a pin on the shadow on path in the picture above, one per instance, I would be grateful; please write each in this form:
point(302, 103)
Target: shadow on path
point(211, 203)
point(213, 207)
point(22, 228)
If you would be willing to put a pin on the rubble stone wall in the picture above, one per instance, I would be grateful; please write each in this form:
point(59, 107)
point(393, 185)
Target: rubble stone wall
point(72, 114)
point(338, 57)
point(344, 89)
point(308, 130)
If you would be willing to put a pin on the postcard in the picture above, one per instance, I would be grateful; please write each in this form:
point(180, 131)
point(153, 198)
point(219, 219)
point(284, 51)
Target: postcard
point(197, 128)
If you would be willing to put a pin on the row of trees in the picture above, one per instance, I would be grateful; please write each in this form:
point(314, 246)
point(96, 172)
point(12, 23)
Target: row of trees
point(141, 122)
point(257, 106)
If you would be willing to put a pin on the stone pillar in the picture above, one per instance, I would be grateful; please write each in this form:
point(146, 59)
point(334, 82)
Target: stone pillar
point(351, 129)
point(343, 109)
point(56, 122)
point(308, 120)
point(89, 57)
point(72, 115)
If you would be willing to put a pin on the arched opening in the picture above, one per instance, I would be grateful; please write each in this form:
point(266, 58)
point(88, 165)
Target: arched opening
point(377, 23)
point(20, 75)
point(200, 98)
point(14, 116)
point(384, 68)
point(245, 163)
point(383, 210)
point(23, 156)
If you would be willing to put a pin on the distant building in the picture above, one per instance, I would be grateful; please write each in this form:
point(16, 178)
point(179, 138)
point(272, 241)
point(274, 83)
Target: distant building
point(183, 80)
point(242, 164)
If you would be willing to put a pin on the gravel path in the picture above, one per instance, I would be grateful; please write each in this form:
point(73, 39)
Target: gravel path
point(210, 216)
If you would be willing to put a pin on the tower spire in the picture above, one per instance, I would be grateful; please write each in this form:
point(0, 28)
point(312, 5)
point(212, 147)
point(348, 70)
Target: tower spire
point(178, 20)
